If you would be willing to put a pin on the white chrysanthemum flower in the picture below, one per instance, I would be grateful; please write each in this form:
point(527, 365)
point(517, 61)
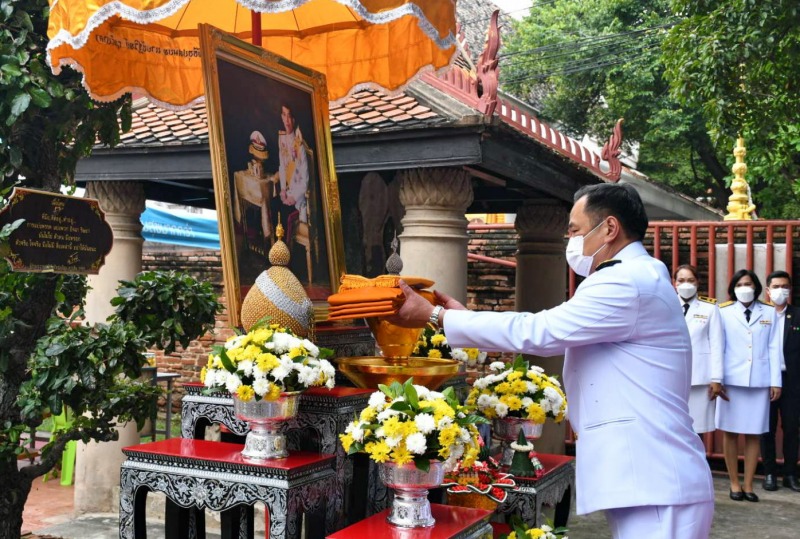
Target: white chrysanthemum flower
point(497, 366)
point(422, 392)
point(354, 429)
point(282, 370)
point(481, 358)
point(526, 401)
point(484, 401)
point(554, 381)
point(311, 348)
point(519, 447)
point(327, 369)
point(466, 437)
point(433, 395)
point(425, 423)
point(501, 409)
point(537, 369)
point(307, 375)
point(546, 405)
point(261, 386)
point(481, 383)
point(211, 378)
point(386, 414)
point(235, 341)
point(457, 451)
point(246, 367)
point(330, 383)
point(444, 422)
point(233, 382)
point(377, 400)
point(459, 355)
point(283, 342)
point(393, 441)
point(532, 388)
point(416, 443)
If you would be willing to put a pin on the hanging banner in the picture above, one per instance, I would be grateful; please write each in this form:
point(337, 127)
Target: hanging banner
point(59, 233)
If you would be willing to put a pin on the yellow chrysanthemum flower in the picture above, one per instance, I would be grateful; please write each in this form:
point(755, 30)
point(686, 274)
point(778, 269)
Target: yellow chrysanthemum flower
point(378, 451)
point(401, 455)
point(297, 351)
point(408, 428)
point(536, 413)
point(519, 387)
point(392, 427)
point(266, 361)
point(347, 441)
point(472, 353)
point(245, 393)
point(516, 375)
point(433, 353)
point(513, 402)
point(503, 388)
point(368, 414)
point(438, 339)
point(273, 393)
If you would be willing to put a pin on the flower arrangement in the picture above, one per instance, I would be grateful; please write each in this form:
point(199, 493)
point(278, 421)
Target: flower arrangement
point(432, 343)
point(405, 422)
point(482, 477)
point(520, 530)
point(265, 362)
point(518, 390)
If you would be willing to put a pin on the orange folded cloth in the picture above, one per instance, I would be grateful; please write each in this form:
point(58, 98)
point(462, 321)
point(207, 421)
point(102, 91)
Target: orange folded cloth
point(366, 307)
point(368, 313)
point(365, 295)
point(350, 281)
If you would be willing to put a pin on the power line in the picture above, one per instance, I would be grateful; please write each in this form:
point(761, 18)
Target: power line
point(504, 13)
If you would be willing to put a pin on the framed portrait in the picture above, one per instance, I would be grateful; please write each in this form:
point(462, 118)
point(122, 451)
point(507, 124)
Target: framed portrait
point(272, 163)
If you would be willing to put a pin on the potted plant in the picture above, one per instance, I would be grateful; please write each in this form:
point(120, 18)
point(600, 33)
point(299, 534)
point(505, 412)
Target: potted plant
point(520, 530)
point(265, 370)
point(517, 396)
point(432, 343)
point(415, 435)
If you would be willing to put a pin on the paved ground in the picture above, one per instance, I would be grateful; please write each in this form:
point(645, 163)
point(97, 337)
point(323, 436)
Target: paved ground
point(776, 517)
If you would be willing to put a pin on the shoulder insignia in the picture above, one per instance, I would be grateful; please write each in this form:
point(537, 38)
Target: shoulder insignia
point(607, 264)
point(765, 304)
point(712, 301)
point(726, 304)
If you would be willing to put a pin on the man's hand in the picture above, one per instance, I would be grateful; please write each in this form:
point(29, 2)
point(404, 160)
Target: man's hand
point(447, 302)
point(715, 389)
point(416, 310)
point(774, 394)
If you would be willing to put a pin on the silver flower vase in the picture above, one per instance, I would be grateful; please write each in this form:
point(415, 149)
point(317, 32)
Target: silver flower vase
point(506, 430)
point(410, 507)
point(265, 441)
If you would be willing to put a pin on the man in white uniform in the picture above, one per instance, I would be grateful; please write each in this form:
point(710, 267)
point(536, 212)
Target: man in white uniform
point(627, 371)
point(293, 171)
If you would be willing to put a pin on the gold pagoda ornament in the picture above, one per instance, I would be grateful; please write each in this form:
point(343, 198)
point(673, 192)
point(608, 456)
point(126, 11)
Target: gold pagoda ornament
point(740, 205)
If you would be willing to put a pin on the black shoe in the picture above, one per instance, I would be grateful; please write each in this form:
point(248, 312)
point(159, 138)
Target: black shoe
point(737, 496)
point(771, 482)
point(750, 496)
point(791, 482)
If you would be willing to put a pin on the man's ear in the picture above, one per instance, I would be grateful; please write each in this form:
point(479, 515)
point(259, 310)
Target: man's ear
point(614, 229)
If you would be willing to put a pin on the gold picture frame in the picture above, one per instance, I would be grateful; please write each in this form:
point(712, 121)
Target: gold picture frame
point(271, 156)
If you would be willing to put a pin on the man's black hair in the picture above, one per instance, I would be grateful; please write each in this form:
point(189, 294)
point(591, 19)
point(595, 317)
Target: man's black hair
point(618, 200)
point(735, 279)
point(779, 274)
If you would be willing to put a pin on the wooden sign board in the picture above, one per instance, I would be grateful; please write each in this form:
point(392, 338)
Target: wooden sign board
point(60, 234)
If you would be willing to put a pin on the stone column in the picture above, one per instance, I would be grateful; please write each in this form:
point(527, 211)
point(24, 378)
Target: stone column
point(434, 239)
point(541, 283)
point(97, 466)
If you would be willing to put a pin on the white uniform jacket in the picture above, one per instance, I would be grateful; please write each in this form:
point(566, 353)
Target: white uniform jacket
point(705, 330)
point(751, 356)
point(626, 372)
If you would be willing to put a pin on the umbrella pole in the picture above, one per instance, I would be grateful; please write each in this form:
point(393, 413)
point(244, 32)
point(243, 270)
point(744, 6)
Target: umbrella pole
point(255, 18)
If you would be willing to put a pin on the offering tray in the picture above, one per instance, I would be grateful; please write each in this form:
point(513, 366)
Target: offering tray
point(369, 371)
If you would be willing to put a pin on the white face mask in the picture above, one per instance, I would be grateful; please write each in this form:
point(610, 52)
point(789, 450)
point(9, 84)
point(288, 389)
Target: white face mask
point(779, 296)
point(745, 294)
point(580, 263)
point(687, 290)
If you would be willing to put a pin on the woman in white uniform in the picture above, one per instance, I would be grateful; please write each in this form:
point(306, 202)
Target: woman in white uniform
point(705, 328)
point(752, 377)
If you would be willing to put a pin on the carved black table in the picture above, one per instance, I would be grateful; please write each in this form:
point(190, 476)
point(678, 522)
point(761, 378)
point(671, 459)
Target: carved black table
point(555, 488)
point(197, 474)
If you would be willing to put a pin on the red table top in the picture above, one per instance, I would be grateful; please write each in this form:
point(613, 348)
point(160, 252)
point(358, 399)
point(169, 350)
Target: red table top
point(450, 521)
point(551, 463)
point(224, 452)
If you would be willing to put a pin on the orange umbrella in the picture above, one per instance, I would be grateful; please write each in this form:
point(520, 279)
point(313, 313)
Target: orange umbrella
point(151, 47)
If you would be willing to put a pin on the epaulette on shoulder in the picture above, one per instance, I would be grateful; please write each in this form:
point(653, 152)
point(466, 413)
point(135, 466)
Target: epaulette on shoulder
point(765, 304)
point(712, 301)
point(726, 304)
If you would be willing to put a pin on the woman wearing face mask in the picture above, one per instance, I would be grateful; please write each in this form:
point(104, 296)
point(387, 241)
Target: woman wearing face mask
point(752, 378)
point(703, 320)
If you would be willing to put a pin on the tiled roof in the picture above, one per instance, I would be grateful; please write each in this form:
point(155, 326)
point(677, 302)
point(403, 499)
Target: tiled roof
point(365, 111)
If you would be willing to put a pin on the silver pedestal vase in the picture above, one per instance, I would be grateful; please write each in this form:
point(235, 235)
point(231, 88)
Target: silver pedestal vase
point(410, 507)
point(506, 430)
point(265, 441)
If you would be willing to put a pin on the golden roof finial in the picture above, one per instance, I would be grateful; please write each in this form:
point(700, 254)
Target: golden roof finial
point(279, 228)
point(740, 206)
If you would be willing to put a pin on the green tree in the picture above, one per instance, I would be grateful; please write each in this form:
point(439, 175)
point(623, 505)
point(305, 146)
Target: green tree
point(587, 63)
point(47, 359)
point(737, 61)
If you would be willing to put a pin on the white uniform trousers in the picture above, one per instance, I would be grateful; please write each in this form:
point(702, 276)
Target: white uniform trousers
point(690, 521)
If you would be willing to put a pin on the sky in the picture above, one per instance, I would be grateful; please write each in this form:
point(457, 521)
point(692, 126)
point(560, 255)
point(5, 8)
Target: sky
point(514, 6)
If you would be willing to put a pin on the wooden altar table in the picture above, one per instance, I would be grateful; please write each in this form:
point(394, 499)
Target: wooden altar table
point(451, 523)
point(326, 413)
point(198, 474)
point(555, 488)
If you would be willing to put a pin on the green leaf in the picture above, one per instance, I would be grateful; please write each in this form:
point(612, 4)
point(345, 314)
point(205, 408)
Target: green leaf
point(411, 394)
point(422, 463)
point(20, 103)
point(226, 362)
point(12, 70)
point(41, 98)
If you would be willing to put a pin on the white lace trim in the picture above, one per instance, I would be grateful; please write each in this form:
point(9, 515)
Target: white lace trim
point(262, 6)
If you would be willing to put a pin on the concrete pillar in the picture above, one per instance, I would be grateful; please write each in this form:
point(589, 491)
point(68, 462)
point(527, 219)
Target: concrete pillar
point(97, 466)
point(541, 283)
point(434, 239)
